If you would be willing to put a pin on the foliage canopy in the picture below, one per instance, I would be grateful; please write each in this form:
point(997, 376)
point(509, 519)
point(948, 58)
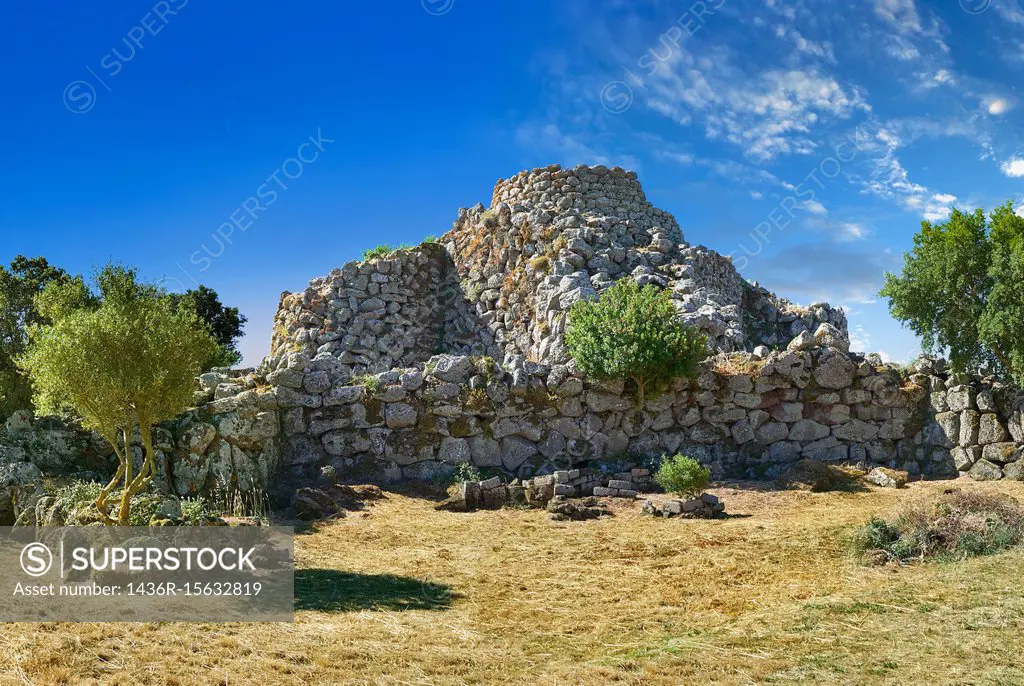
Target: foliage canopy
point(634, 333)
point(122, 365)
point(20, 283)
point(683, 476)
point(962, 290)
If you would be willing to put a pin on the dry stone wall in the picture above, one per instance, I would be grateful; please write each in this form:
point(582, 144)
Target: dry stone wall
point(744, 417)
point(378, 314)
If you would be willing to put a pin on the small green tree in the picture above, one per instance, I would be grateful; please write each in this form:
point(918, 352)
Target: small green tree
point(683, 476)
point(962, 290)
point(122, 364)
point(633, 333)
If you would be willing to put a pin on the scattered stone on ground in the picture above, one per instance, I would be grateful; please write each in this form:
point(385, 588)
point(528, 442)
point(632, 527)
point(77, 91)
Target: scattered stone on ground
point(816, 476)
point(887, 478)
point(707, 506)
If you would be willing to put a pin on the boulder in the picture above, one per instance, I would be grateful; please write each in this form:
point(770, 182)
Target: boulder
point(983, 470)
point(887, 478)
point(815, 476)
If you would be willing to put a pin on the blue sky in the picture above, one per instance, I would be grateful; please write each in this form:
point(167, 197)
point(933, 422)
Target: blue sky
point(806, 138)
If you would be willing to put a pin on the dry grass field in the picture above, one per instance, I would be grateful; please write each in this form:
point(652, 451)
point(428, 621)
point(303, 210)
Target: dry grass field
point(402, 594)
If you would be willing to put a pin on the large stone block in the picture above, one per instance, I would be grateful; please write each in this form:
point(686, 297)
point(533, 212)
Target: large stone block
point(992, 430)
point(856, 431)
point(970, 425)
point(1001, 452)
point(960, 398)
point(944, 430)
point(516, 450)
point(834, 370)
point(807, 430)
point(486, 452)
point(772, 432)
point(787, 412)
point(983, 470)
point(454, 451)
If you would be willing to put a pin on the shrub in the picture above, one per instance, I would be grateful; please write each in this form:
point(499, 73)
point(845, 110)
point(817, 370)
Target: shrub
point(633, 333)
point(683, 476)
point(958, 526)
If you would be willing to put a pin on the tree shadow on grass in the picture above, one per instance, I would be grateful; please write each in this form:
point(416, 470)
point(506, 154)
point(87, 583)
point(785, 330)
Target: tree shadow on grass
point(330, 590)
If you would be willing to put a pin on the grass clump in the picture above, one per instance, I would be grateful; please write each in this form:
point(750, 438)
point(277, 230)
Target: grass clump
point(383, 250)
point(683, 476)
point(369, 381)
point(958, 526)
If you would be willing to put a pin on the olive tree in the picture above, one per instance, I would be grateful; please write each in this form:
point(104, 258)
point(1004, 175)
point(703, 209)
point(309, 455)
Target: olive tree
point(634, 333)
point(122, 359)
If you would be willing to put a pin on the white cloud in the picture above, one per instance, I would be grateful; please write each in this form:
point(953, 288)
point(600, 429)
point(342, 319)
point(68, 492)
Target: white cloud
point(822, 51)
point(570, 149)
point(758, 195)
point(851, 232)
point(1009, 10)
point(1019, 211)
point(767, 114)
point(890, 180)
point(682, 158)
point(815, 207)
point(1013, 167)
point(997, 106)
point(900, 14)
point(938, 207)
point(943, 77)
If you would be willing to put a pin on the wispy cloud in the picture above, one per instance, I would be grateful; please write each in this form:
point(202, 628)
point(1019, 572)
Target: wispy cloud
point(766, 114)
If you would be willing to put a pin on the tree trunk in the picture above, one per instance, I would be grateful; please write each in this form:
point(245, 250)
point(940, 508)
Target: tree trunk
point(120, 449)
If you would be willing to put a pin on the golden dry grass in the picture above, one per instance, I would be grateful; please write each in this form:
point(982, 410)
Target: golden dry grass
point(768, 597)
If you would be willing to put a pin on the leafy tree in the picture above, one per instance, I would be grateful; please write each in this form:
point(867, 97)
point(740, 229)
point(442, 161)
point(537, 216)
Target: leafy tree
point(226, 323)
point(121, 366)
point(962, 290)
point(20, 283)
point(633, 333)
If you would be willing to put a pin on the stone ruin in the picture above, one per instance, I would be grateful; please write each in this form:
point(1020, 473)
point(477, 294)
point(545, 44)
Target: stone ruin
point(407, 365)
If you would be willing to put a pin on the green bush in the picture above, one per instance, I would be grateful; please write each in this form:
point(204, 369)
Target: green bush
point(960, 525)
point(683, 476)
point(633, 333)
